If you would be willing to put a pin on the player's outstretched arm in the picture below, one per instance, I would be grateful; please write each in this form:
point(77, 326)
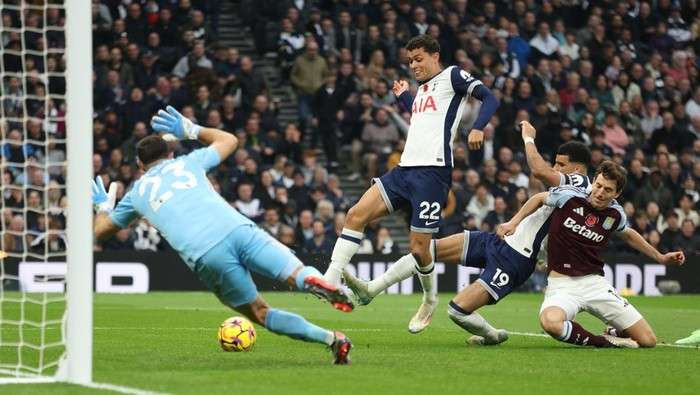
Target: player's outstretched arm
point(223, 142)
point(636, 241)
point(539, 167)
point(489, 105)
point(176, 126)
point(528, 208)
point(104, 204)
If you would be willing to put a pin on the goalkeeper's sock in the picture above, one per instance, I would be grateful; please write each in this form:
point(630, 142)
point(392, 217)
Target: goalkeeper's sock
point(303, 273)
point(296, 327)
point(574, 333)
point(345, 247)
point(472, 322)
point(399, 271)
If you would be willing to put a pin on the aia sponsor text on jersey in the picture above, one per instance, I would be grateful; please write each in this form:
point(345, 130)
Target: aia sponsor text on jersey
point(423, 104)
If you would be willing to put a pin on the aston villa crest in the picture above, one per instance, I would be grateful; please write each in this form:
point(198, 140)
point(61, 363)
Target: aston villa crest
point(608, 223)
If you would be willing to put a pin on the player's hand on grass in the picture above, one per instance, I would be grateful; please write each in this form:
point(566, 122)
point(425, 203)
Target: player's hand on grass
point(527, 130)
point(475, 139)
point(399, 87)
point(506, 229)
point(170, 121)
point(102, 200)
point(672, 258)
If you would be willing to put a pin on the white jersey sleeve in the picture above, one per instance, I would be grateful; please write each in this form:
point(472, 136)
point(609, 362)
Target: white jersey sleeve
point(435, 114)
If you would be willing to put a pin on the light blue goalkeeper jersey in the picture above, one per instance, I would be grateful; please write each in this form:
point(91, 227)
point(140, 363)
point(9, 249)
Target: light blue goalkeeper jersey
point(177, 198)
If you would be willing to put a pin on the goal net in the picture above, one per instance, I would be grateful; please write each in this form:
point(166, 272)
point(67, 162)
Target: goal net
point(36, 189)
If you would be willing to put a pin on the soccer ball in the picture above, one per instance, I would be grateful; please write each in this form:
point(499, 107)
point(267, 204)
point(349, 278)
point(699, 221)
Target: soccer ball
point(237, 334)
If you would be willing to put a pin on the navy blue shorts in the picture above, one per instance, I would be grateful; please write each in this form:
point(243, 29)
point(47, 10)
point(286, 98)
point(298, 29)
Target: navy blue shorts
point(505, 269)
point(424, 189)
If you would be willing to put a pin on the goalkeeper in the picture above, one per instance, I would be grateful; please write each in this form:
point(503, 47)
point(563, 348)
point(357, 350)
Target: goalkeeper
point(216, 242)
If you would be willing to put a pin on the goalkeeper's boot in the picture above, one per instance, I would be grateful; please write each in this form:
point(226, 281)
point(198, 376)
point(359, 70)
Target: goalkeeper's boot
point(359, 287)
point(621, 342)
point(495, 337)
point(693, 339)
point(423, 317)
point(323, 290)
point(341, 349)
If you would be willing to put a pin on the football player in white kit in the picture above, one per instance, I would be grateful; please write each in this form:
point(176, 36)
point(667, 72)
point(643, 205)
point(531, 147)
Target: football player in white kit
point(507, 263)
point(423, 177)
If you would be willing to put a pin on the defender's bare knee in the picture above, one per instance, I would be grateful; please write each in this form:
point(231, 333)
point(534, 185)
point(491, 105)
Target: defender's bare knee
point(552, 321)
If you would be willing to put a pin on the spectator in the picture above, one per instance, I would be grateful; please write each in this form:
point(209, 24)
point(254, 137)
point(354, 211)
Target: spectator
point(306, 78)
point(687, 241)
point(320, 243)
point(499, 214)
point(305, 227)
point(246, 203)
point(480, 204)
point(670, 233)
point(654, 191)
point(384, 244)
point(685, 210)
point(378, 137)
point(196, 58)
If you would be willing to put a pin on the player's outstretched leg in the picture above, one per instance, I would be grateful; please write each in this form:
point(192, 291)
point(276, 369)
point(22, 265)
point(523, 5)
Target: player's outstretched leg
point(370, 207)
point(295, 326)
point(553, 321)
point(462, 311)
point(308, 279)
point(365, 291)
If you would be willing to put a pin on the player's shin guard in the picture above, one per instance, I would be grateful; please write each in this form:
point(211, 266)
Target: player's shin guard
point(426, 275)
point(399, 271)
point(345, 247)
point(472, 322)
point(574, 333)
point(295, 326)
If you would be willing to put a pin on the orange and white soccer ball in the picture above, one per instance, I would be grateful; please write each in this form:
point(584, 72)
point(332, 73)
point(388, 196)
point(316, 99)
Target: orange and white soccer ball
point(237, 334)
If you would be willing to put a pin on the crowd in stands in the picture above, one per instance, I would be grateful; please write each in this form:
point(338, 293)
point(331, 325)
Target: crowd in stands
point(620, 76)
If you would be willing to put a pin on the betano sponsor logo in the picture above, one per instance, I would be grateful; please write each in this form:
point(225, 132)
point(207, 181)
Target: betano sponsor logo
point(582, 230)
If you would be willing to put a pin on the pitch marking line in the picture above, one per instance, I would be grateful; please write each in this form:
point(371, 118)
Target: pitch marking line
point(121, 389)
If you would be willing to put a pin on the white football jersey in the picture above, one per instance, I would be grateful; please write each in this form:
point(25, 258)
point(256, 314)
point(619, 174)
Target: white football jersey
point(531, 233)
point(435, 115)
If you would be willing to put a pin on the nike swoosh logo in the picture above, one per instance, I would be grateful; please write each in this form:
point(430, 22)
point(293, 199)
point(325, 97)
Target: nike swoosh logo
point(430, 223)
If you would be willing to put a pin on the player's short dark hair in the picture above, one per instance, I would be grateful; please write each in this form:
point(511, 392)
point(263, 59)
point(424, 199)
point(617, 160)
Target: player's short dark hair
point(612, 171)
point(428, 43)
point(151, 148)
point(577, 152)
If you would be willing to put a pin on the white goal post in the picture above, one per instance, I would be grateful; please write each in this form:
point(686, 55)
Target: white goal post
point(47, 346)
point(79, 220)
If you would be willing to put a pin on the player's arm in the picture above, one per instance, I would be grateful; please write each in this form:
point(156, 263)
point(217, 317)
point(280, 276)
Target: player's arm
point(176, 126)
point(636, 241)
point(528, 208)
point(539, 167)
point(465, 84)
point(403, 95)
point(103, 201)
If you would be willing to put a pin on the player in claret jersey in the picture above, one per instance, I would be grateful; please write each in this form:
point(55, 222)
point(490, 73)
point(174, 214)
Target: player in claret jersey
point(423, 177)
point(580, 228)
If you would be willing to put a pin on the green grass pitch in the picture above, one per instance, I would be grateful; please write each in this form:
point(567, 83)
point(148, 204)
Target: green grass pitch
point(166, 342)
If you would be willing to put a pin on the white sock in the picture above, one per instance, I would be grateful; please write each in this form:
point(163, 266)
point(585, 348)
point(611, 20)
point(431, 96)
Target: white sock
point(426, 275)
point(472, 322)
point(398, 271)
point(345, 247)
